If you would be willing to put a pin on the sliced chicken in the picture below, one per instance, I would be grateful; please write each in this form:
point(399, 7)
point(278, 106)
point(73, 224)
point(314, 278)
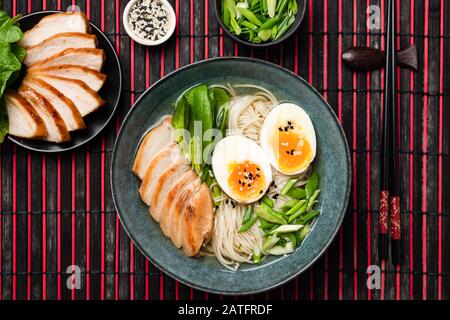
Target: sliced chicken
point(85, 57)
point(162, 187)
point(178, 208)
point(169, 156)
point(24, 121)
point(170, 198)
point(85, 99)
point(155, 141)
point(58, 43)
point(198, 221)
point(57, 130)
point(65, 107)
point(54, 24)
point(91, 77)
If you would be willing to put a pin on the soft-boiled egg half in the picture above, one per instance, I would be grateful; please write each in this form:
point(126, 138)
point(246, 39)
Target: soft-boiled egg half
point(241, 169)
point(288, 138)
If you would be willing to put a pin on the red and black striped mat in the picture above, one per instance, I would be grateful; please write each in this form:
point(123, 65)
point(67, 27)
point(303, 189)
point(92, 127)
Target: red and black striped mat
point(56, 210)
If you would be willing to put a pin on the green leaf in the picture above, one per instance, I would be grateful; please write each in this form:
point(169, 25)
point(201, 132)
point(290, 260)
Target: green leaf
point(4, 123)
point(312, 185)
point(180, 118)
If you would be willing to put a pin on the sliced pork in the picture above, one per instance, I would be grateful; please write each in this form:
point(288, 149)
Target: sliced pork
point(162, 161)
point(170, 198)
point(54, 24)
point(176, 197)
point(155, 141)
point(91, 77)
point(24, 121)
point(178, 209)
point(85, 57)
point(198, 221)
point(163, 185)
point(85, 99)
point(57, 130)
point(65, 107)
point(58, 43)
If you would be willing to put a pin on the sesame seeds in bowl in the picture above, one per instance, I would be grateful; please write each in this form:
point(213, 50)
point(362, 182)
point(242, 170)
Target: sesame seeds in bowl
point(149, 22)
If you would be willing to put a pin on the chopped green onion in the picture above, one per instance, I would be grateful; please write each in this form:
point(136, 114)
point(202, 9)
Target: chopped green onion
point(281, 251)
point(312, 200)
point(297, 193)
point(267, 213)
point(271, 7)
point(265, 34)
point(303, 233)
point(298, 213)
point(287, 228)
point(309, 216)
point(288, 186)
point(247, 215)
point(289, 204)
point(237, 30)
point(312, 185)
point(270, 242)
point(247, 225)
point(295, 208)
point(267, 201)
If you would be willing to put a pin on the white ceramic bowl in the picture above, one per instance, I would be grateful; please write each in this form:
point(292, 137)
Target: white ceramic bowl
point(172, 19)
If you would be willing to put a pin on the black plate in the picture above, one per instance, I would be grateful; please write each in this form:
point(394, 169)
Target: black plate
point(110, 92)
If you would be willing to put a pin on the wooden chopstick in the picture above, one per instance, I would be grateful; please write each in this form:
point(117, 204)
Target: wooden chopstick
point(390, 174)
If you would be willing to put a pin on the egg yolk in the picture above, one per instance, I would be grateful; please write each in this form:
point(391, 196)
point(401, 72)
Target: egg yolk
point(246, 180)
point(294, 151)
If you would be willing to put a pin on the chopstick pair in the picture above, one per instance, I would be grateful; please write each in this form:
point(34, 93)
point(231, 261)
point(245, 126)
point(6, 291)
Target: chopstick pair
point(390, 166)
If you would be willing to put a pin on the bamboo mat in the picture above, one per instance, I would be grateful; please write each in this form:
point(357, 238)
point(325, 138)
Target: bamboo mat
point(57, 210)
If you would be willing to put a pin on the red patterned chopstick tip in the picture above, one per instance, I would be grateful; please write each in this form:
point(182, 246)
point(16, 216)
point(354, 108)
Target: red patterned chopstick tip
point(384, 212)
point(395, 218)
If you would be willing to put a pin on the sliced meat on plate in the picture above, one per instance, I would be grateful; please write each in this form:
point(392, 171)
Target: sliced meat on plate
point(85, 99)
point(163, 160)
point(65, 107)
point(198, 221)
point(163, 185)
point(57, 130)
point(24, 121)
point(177, 208)
point(170, 198)
point(91, 77)
point(58, 43)
point(54, 24)
point(156, 140)
point(85, 57)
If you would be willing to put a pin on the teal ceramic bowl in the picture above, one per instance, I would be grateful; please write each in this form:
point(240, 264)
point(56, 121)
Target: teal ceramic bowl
point(205, 273)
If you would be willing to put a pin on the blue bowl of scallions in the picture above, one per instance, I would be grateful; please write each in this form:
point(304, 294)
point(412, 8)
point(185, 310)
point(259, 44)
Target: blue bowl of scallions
point(260, 23)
